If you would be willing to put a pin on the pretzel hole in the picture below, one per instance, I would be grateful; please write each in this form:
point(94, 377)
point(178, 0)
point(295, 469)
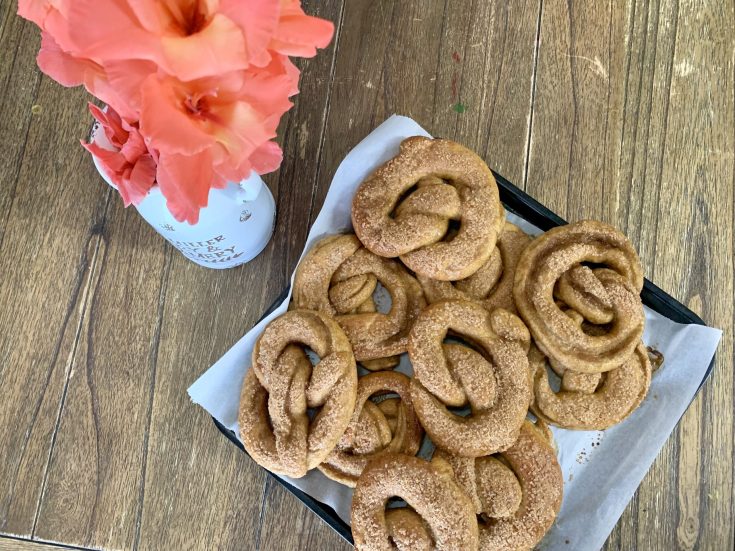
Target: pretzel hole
point(382, 395)
point(402, 197)
point(452, 230)
point(595, 330)
point(454, 338)
point(395, 502)
point(313, 356)
point(382, 299)
point(595, 265)
point(554, 379)
point(461, 411)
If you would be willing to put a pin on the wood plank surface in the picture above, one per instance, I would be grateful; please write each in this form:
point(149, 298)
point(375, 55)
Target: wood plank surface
point(49, 235)
point(12, 544)
point(622, 111)
point(634, 126)
point(221, 505)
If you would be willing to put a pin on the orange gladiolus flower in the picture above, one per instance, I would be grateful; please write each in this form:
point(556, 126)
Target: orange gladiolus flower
point(210, 131)
point(130, 164)
point(192, 39)
point(195, 88)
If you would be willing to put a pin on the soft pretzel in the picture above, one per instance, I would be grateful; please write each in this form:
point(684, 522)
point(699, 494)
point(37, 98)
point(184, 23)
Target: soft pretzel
point(492, 284)
point(593, 401)
point(440, 517)
point(407, 530)
point(405, 208)
point(388, 426)
point(516, 494)
point(282, 385)
point(338, 277)
point(555, 267)
point(492, 378)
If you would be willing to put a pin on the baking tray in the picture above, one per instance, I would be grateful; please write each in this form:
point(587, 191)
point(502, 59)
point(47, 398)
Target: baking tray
point(520, 203)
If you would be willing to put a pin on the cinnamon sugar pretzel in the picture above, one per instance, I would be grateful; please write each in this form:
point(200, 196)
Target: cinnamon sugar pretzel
point(282, 385)
point(405, 208)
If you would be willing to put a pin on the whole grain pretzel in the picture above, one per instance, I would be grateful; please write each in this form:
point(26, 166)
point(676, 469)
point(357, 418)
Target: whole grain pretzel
point(492, 284)
point(440, 517)
point(282, 385)
point(491, 376)
point(388, 426)
point(338, 277)
point(516, 494)
point(405, 208)
point(591, 268)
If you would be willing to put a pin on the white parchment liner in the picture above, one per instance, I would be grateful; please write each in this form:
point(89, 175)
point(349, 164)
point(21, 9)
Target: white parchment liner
point(601, 469)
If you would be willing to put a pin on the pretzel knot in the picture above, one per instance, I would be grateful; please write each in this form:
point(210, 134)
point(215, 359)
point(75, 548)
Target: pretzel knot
point(592, 269)
point(282, 385)
point(405, 208)
point(439, 514)
point(516, 494)
point(492, 377)
point(338, 277)
point(375, 429)
point(492, 284)
point(592, 401)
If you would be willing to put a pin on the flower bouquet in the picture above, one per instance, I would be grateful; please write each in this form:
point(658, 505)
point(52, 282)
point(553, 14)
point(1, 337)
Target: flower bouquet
point(194, 89)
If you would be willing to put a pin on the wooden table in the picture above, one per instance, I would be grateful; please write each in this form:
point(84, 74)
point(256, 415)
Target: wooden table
point(622, 112)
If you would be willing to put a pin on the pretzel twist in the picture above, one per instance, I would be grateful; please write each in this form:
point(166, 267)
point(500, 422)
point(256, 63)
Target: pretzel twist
point(405, 207)
point(282, 385)
point(516, 494)
point(493, 378)
point(440, 516)
point(552, 268)
point(593, 401)
point(492, 284)
point(338, 277)
point(375, 429)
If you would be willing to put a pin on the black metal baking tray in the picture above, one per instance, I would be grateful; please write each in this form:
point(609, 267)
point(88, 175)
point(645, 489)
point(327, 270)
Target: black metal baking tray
point(518, 202)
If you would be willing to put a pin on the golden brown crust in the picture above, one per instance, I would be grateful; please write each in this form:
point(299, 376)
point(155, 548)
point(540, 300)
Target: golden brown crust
point(494, 379)
point(517, 494)
point(551, 268)
point(282, 385)
point(414, 227)
point(587, 406)
point(407, 530)
point(381, 364)
point(492, 284)
point(388, 426)
point(445, 511)
point(338, 277)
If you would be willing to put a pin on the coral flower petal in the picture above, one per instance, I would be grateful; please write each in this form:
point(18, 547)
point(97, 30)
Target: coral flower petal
point(258, 23)
point(216, 49)
point(185, 181)
point(142, 179)
point(59, 65)
point(167, 123)
point(267, 158)
point(301, 35)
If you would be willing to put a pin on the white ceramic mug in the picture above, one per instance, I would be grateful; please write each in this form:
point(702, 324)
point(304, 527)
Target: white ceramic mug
point(233, 228)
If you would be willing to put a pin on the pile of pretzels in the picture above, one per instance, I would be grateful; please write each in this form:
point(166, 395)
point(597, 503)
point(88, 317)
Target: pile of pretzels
point(495, 324)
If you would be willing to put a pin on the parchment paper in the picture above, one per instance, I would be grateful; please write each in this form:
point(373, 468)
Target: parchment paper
point(601, 469)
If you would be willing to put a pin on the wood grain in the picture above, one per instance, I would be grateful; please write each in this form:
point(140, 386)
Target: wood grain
point(9, 544)
point(622, 111)
point(627, 128)
point(383, 68)
point(95, 473)
point(220, 503)
point(49, 235)
point(287, 524)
